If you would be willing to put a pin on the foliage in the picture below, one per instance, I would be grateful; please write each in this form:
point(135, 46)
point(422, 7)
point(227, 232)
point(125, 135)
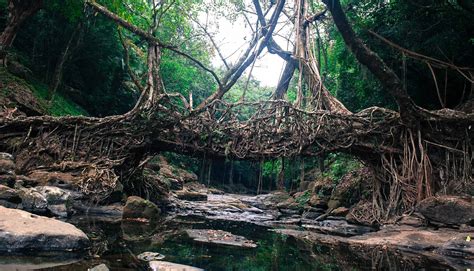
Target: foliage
point(340, 165)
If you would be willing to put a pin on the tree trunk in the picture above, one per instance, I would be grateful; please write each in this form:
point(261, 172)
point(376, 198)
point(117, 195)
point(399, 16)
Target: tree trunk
point(65, 55)
point(18, 12)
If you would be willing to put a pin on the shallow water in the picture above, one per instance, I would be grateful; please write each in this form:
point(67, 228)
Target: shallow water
point(116, 244)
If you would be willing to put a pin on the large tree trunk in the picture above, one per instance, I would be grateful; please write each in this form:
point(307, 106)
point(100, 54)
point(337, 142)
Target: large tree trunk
point(18, 12)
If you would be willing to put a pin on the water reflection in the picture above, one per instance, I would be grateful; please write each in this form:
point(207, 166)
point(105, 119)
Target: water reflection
point(116, 244)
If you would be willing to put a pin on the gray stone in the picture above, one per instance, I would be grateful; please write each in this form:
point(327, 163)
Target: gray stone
point(33, 201)
point(150, 256)
point(169, 266)
point(100, 267)
point(21, 231)
point(450, 210)
point(219, 237)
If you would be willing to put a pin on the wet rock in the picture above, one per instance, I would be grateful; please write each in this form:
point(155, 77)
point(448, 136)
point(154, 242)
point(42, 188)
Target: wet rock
point(219, 237)
point(150, 256)
point(137, 207)
point(169, 266)
point(311, 215)
point(336, 227)
point(341, 211)
point(21, 231)
point(450, 210)
point(113, 210)
point(460, 246)
point(100, 267)
point(191, 195)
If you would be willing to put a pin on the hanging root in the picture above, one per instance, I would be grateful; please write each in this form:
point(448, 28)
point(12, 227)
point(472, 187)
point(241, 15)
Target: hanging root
point(405, 180)
point(98, 183)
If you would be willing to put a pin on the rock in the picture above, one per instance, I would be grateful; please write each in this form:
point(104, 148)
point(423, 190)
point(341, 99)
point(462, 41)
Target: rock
point(336, 227)
point(289, 204)
point(450, 210)
point(353, 187)
point(411, 220)
point(334, 203)
point(137, 207)
point(219, 237)
point(7, 164)
point(33, 201)
point(100, 267)
point(169, 266)
point(150, 256)
point(60, 210)
point(44, 199)
point(458, 246)
point(7, 179)
point(322, 186)
point(311, 215)
point(316, 201)
point(113, 210)
point(341, 211)
point(54, 195)
point(9, 194)
point(191, 195)
point(21, 231)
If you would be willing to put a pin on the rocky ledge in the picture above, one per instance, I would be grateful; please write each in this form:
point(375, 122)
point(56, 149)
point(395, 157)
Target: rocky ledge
point(21, 231)
point(448, 246)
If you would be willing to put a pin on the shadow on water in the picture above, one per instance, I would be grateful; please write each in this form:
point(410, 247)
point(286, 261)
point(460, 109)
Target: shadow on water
point(117, 243)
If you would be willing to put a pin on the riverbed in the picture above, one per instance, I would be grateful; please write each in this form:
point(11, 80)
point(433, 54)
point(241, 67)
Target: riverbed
point(117, 243)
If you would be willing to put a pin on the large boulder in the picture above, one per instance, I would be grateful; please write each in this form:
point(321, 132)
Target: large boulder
point(450, 210)
point(21, 231)
point(138, 208)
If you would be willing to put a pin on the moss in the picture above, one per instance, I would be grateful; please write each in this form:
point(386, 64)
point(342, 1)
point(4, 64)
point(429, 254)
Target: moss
point(60, 106)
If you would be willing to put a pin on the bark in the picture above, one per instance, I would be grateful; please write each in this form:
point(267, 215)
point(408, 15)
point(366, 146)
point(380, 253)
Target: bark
point(285, 79)
point(18, 12)
point(65, 56)
point(371, 60)
point(320, 98)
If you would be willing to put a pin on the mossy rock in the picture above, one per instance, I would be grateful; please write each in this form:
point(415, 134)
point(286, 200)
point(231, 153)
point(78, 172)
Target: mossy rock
point(137, 207)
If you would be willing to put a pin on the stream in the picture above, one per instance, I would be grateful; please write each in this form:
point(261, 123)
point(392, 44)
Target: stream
point(117, 243)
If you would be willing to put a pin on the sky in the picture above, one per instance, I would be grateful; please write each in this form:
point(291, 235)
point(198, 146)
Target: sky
point(235, 36)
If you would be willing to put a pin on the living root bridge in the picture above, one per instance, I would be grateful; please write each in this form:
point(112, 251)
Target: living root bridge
point(411, 164)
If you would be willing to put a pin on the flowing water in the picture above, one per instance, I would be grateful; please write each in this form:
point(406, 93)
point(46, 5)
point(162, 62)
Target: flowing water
point(117, 243)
